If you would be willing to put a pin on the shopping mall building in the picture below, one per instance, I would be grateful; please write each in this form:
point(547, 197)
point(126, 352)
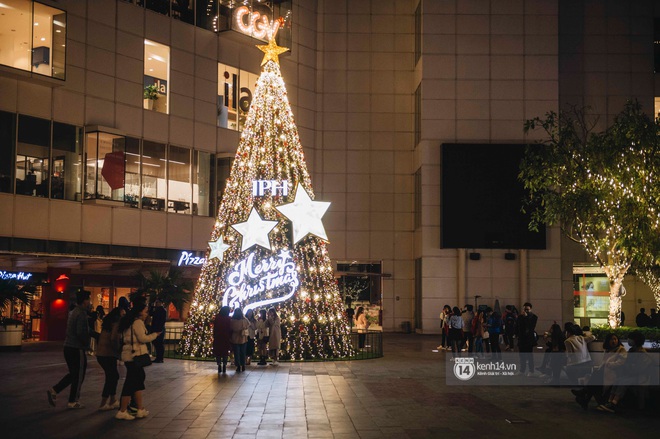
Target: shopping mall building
point(411, 116)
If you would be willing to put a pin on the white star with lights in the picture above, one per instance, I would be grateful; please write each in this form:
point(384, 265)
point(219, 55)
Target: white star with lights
point(218, 249)
point(305, 214)
point(255, 231)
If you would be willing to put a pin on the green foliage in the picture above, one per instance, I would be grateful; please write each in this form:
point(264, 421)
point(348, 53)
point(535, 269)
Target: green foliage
point(651, 334)
point(151, 92)
point(10, 290)
point(168, 286)
point(599, 187)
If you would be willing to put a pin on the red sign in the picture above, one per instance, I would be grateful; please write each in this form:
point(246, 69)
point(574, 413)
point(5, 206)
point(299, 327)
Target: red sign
point(113, 169)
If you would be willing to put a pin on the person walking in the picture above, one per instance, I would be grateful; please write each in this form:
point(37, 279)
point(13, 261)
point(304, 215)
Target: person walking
point(158, 318)
point(107, 354)
point(134, 338)
point(262, 338)
point(238, 336)
point(221, 343)
point(76, 345)
point(275, 335)
point(525, 331)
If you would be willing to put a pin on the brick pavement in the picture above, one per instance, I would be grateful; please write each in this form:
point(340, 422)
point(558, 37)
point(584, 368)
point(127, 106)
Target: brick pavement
point(402, 395)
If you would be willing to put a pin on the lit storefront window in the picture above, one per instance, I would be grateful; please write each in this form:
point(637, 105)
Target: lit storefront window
point(33, 37)
point(156, 95)
point(591, 295)
point(235, 89)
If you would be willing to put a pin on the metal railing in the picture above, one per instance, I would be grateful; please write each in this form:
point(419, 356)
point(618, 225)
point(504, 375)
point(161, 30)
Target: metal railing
point(366, 345)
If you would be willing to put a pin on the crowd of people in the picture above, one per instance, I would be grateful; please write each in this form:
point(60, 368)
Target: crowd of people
point(122, 336)
point(488, 330)
point(238, 333)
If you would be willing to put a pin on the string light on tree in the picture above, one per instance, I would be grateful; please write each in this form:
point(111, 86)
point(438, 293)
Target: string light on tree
point(276, 252)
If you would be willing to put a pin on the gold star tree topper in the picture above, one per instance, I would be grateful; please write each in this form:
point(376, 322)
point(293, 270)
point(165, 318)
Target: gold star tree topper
point(272, 50)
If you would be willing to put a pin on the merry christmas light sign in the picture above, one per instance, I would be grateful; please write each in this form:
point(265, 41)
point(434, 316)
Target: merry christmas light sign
point(276, 276)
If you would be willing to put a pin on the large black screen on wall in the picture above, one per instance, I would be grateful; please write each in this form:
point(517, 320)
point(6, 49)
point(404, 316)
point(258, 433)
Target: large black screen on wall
point(481, 198)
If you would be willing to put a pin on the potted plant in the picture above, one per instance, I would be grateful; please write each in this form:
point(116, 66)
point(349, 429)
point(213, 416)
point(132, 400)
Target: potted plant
point(150, 95)
point(11, 330)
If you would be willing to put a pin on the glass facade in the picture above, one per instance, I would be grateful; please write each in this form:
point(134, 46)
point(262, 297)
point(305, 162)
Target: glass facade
point(249, 17)
point(66, 172)
point(154, 183)
point(33, 37)
point(179, 188)
point(33, 156)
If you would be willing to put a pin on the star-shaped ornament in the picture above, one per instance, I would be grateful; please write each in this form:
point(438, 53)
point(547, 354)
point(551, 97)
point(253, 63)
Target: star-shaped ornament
point(218, 249)
point(305, 214)
point(271, 51)
point(255, 231)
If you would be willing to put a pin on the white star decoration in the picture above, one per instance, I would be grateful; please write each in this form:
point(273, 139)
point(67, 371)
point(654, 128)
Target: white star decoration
point(218, 249)
point(255, 231)
point(305, 214)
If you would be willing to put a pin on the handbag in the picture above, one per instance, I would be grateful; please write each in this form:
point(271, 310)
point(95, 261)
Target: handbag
point(143, 360)
point(486, 334)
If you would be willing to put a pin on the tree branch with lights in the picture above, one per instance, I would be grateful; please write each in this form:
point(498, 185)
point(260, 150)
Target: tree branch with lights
point(600, 188)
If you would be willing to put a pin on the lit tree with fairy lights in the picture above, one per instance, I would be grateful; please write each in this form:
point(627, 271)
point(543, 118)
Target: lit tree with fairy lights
point(601, 188)
point(268, 245)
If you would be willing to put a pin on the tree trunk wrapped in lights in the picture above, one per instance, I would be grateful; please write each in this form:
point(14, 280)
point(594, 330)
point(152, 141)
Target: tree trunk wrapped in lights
point(268, 246)
point(600, 188)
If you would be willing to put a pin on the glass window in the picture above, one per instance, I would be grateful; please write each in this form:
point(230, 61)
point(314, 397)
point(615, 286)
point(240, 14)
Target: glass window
point(33, 39)
point(49, 41)
point(591, 295)
point(66, 172)
point(7, 150)
point(223, 169)
point(16, 35)
point(132, 175)
point(179, 190)
point(184, 10)
point(202, 178)
point(32, 156)
point(154, 187)
point(160, 6)
point(235, 89)
point(206, 13)
point(104, 169)
point(228, 89)
point(156, 93)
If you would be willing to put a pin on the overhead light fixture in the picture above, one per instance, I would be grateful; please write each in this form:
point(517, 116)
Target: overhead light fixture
point(475, 256)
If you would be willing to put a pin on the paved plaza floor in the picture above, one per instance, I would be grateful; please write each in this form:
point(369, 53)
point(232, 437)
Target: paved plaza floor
point(402, 395)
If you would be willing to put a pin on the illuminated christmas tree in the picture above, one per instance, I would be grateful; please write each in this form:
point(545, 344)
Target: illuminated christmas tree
point(268, 245)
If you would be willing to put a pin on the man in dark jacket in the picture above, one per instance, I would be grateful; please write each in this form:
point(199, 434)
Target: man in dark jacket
point(643, 320)
point(526, 327)
point(76, 345)
point(158, 317)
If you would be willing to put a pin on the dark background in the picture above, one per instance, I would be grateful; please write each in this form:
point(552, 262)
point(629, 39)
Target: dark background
point(482, 197)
